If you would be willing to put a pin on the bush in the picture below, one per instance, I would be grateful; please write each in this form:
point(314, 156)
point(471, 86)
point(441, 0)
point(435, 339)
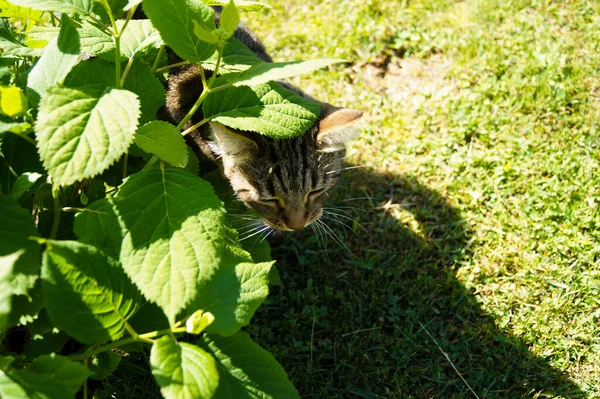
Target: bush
point(108, 236)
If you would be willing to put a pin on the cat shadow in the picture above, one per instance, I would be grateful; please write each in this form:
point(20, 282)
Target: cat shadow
point(392, 319)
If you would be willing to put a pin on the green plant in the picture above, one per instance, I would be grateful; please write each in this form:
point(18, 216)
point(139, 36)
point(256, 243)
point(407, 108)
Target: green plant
point(112, 199)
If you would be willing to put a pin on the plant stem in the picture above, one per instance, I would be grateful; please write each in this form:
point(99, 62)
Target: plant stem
point(194, 127)
point(147, 337)
point(166, 68)
point(117, 40)
point(161, 51)
point(125, 165)
point(126, 71)
point(85, 388)
point(222, 87)
point(27, 138)
point(57, 212)
point(205, 92)
point(195, 107)
point(214, 75)
point(151, 162)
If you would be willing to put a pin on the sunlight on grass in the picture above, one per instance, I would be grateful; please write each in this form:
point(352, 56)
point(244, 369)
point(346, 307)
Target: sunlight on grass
point(483, 116)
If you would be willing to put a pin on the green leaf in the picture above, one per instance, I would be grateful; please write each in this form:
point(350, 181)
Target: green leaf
point(233, 295)
point(177, 26)
point(8, 10)
point(139, 37)
point(49, 378)
point(140, 81)
point(237, 57)
point(104, 364)
point(204, 34)
point(20, 258)
point(10, 46)
point(64, 6)
point(50, 342)
point(82, 131)
point(94, 40)
point(86, 292)
point(59, 57)
point(9, 389)
point(70, 374)
point(24, 183)
point(246, 370)
point(175, 239)
point(98, 225)
point(12, 101)
point(269, 71)
point(7, 263)
point(183, 370)
point(244, 5)
point(163, 140)
point(230, 18)
point(267, 109)
point(13, 126)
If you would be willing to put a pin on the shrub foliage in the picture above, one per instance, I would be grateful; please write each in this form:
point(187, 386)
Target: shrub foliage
point(103, 212)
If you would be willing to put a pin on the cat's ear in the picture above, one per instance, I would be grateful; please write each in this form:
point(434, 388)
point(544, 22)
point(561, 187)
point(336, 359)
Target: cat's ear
point(335, 128)
point(227, 142)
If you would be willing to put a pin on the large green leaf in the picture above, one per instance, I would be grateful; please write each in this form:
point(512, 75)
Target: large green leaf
point(98, 225)
point(176, 27)
point(182, 370)
point(269, 71)
point(140, 81)
point(86, 293)
point(139, 37)
point(82, 131)
point(59, 57)
point(94, 40)
point(9, 389)
point(20, 258)
point(70, 374)
point(237, 57)
point(49, 377)
point(64, 6)
point(267, 109)
point(175, 239)
point(246, 370)
point(233, 295)
point(163, 140)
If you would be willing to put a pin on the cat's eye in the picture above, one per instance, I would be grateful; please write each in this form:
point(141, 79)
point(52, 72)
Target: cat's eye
point(272, 202)
point(314, 194)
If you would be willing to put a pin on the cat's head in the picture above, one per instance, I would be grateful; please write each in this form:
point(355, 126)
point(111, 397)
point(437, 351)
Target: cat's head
point(286, 180)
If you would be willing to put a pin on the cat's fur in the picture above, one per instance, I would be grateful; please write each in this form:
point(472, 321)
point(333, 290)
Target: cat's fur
point(283, 180)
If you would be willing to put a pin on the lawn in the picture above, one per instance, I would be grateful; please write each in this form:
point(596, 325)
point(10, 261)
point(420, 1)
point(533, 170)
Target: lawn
point(463, 258)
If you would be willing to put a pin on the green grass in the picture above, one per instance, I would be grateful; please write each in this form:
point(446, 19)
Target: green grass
point(476, 218)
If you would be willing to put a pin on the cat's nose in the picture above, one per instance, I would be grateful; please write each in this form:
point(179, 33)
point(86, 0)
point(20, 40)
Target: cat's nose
point(295, 222)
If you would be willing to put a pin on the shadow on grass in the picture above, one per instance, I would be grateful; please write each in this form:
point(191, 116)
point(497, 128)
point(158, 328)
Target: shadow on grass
point(369, 325)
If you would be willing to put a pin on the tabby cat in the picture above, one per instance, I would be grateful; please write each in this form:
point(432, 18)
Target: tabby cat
point(283, 180)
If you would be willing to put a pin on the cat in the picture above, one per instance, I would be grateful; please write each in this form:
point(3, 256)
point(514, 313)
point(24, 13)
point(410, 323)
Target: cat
point(283, 180)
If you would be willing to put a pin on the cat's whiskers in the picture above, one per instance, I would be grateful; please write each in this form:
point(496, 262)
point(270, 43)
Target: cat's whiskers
point(334, 218)
point(329, 232)
point(348, 168)
point(266, 235)
point(264, 228)
point(320, 240)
